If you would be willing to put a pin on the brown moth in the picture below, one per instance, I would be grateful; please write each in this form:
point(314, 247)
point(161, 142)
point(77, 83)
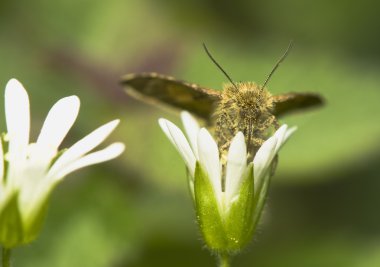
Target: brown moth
point(241, 106)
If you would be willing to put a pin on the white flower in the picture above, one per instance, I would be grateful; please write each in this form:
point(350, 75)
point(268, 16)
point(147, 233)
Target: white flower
point(200, 147)
point(29, 171)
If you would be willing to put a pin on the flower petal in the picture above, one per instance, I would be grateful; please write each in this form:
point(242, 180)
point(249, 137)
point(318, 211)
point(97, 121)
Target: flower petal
point(32, 190)
point(2, 174)
point(283, 135)
point(280, 135)
point(209, 159)
point(1, 164)
point(191, 129)
point(236, 165)
point(18, 125)
point(82, 147)
point(288, 133)
point(108, 153)
point(58, 122)
point(264, 156)
point(178, 139)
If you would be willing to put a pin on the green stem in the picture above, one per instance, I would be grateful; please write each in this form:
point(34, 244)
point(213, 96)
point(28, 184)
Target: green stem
point(224, 260)
point(6, 257)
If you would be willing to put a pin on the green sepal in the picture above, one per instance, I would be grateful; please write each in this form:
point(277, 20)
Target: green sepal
point(15, 229)
point(207, 211)
point(239, 223)
point(34, 222)
point(35, 218)
point(11, 230)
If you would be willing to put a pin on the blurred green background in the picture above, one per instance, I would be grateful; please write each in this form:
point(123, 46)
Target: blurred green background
point(323, 206)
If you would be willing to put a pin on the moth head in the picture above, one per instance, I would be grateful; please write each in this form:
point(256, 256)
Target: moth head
point(252, 97)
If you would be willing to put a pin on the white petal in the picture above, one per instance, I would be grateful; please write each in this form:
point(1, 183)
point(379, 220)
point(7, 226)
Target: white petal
point(1, 164)
point(180, 142)
point(18, 125)
point(33, 187)
point(2, 178)
point(264, 156)
point(283, 135)
point(209, 159)
point(280, 135)
point(236, 165)
point(108, 153)
point(58, 122)
point(32, 196)
point(191, 129)
point(288, 133)
point(262, 160)
point(39, 159)
point(83, 146)
point(163, 124)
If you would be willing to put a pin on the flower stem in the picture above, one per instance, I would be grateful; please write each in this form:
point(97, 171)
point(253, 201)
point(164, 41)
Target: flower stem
point(224, 260)
point(6, 257)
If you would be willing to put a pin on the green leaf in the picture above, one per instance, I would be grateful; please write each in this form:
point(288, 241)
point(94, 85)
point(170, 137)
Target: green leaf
point(207, 210)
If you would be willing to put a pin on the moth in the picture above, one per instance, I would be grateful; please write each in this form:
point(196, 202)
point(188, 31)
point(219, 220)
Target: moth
point(240, 106)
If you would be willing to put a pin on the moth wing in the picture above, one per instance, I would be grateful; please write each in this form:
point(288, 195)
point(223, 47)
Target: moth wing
point(160, 89)
point(291, 102)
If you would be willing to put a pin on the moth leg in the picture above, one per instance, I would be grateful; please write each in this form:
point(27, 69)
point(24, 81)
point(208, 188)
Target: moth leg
point(255, 146)
point(225, 130)
point(258, 142)
point(275, 123)
point(267, 122)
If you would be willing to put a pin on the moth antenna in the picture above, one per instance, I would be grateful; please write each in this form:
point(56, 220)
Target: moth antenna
point(220, 67)
point(278, 64)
